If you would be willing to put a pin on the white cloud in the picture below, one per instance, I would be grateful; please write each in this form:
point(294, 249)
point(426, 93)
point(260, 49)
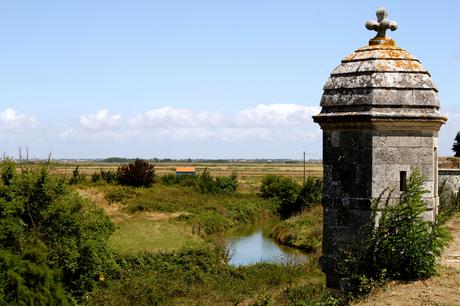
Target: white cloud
point(276, 115)
point(457, 56)
point(169, 117)
point(12, 121)
point(101, 120)
point(264, 130)
point(264, 122)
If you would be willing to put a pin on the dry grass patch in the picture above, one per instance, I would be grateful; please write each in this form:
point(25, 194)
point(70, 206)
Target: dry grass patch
point(442, 289)
point(145, 236)
point(116, 211)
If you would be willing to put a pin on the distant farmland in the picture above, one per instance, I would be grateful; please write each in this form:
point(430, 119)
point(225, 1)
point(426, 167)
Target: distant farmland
point(248, 173)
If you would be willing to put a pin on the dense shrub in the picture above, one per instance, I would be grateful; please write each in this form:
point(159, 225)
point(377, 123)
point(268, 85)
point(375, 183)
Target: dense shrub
point(137, 173)
point(276, 186)
point(204, 183)
point(187, 180)
point(311, 193)
point(284, 190)
point(77, 177)
point(291, 197)
point(51, 240)
point(108, 176)
point(169, 179)
point(403, 246)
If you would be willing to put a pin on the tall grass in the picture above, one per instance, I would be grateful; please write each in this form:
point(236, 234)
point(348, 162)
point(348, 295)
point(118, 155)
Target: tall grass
point(303, 231)
point(200, 277)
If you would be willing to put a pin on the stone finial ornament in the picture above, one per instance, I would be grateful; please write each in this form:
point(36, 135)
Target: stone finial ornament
point(382, 24)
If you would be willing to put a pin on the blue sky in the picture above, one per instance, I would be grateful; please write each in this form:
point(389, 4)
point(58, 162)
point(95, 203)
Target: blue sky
point(210, 79)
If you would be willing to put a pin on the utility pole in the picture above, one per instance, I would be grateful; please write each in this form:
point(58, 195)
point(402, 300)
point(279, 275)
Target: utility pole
point(304, 169)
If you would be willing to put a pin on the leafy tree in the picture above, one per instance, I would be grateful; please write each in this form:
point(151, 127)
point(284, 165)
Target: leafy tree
point(456, 146)
point(137, 173)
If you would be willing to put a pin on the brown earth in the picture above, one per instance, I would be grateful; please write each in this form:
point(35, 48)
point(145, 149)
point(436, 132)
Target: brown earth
point(441, 289)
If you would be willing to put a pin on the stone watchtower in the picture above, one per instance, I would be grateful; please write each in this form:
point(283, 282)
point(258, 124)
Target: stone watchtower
point(380, 120)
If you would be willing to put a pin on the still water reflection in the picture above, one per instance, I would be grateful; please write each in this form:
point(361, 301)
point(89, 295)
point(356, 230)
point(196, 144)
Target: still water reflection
point(252, 245)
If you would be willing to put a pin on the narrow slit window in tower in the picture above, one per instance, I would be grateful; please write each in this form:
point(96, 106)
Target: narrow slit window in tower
point(403, 181)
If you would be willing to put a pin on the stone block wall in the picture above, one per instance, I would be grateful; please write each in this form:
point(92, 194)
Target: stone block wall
point(359, 165)
point(398, 153)
point(451, 179)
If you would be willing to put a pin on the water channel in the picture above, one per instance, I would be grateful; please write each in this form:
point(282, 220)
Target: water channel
point(253, 244)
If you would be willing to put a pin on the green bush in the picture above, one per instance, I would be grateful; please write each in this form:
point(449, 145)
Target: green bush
point(51, 239)
point(311, 193)
point(77, 177)
point(290, 196)
point(187, 180)
point(108, 176)
point(284, 190)
point(204, 182)
point(404, 246)
point(169, 179)
point(207, 184)
point(137, 173)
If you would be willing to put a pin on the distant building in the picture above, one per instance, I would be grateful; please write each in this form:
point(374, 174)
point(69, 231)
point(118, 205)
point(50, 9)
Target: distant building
point(185, 170)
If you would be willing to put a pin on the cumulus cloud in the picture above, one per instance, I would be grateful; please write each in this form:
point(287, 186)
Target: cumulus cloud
point(169, 117)
point(12, 121)
point(101, 120)
point(273, 115)
point(263, 122)
point(262, 130)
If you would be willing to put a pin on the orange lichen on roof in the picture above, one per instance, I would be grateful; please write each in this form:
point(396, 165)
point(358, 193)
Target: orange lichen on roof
point(185, 169)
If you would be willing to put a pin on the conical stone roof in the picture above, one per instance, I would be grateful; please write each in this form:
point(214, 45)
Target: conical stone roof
point(380, 81)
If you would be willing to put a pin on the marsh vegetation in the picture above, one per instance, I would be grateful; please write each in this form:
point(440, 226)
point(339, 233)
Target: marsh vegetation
point(94, 240)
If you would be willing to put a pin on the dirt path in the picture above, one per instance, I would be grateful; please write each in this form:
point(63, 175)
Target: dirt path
point(442, 289)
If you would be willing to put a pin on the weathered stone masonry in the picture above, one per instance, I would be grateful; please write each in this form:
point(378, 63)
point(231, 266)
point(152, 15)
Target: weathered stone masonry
point(380, 120)
point(450, 178)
